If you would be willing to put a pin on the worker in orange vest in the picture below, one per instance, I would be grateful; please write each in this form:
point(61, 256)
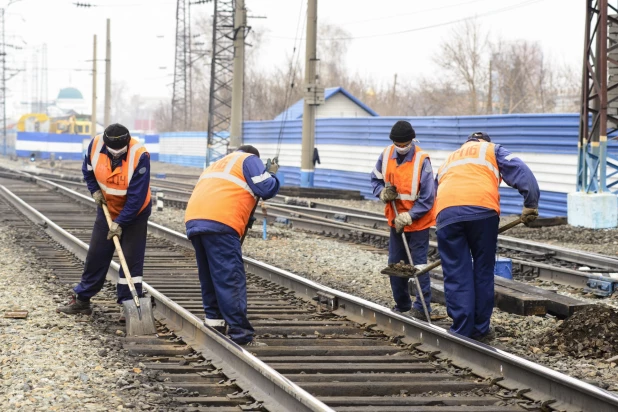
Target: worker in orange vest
point(468, 214)
point(403, 174)
point(216, 219)
point(116, 169)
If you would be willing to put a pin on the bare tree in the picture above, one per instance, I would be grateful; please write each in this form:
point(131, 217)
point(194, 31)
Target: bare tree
point(332, 48)
point(463, 57)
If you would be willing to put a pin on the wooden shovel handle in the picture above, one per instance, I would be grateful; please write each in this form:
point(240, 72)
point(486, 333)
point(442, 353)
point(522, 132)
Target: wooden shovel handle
point(123, 261)
point(438, 262)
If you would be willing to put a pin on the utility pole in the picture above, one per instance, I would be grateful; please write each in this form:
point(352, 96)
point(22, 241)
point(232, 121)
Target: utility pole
point(3, 56)
point(313, 96)
point(240, 23)
point(108, 77)
point(93, 127)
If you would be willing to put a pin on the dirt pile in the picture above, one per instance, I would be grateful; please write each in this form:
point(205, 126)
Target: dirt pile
point(589, 333)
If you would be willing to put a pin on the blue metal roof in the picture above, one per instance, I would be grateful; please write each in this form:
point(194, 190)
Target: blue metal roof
point(295, 111)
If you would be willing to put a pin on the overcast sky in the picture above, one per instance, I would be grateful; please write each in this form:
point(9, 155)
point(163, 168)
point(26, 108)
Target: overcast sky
point(389, 36)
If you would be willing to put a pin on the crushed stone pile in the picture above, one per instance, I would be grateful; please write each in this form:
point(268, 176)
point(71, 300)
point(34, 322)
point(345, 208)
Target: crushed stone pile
point(589, 333)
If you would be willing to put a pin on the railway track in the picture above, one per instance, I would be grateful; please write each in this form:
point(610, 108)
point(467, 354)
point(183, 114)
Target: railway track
point(325, 347)
point(531, 260)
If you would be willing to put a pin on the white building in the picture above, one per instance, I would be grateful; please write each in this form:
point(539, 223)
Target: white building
point(69, 99)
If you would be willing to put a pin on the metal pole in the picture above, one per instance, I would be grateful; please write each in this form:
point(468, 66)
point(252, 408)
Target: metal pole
point(240, 22)
point(3, 55)
point(108, 77)
point(602, 76)
point(308, 141)
point(211, 96)
point(93, 126)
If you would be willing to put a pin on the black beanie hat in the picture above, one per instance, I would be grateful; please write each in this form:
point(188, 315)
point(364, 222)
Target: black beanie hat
point(480, 136)
point(116, 136)
point(402, 132)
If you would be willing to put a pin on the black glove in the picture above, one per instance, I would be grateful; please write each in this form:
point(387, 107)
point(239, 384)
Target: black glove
point(251, 220)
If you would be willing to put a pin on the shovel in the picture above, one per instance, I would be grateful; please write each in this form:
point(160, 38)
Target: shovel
point(137, 323)
point(413, 272)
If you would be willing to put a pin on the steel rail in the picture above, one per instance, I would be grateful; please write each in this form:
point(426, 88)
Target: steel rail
point(266, 385)
point(530, 380)
point(560, 275)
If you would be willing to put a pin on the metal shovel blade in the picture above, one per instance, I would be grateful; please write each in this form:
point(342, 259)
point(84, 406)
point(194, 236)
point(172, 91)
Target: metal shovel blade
point(400, 270)
point(135, 325)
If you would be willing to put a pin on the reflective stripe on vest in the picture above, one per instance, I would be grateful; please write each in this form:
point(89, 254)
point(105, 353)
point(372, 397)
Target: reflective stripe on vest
point(226, 175)
point(479, 160)
point(222, 194)
point(406, 177)
point(469, 177)
point(116, 196)
point(415, 189)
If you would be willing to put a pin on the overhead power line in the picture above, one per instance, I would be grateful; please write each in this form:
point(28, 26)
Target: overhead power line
point(432, 26)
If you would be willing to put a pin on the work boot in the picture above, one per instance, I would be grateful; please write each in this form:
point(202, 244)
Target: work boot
point(75, 307)
point(253, 344)
point(401, 312)
point(488, 337)
point(418, 314)
point(217, 324)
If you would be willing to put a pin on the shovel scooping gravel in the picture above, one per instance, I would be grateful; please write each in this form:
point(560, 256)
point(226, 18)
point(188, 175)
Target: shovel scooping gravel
point(138, 312)
point(407, 271)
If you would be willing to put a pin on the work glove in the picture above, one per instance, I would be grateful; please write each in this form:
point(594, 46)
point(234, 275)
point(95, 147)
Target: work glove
point(114, 230)
point(401, 221)
point(272, 166)
point(529, 214)
point(388, 194)
point(252, 220)
point(98, 197)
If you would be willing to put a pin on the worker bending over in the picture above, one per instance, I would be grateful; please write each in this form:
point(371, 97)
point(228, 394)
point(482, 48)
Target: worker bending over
point(468, 208)
point(216, 219)
point(403, 173)
point(116, 169)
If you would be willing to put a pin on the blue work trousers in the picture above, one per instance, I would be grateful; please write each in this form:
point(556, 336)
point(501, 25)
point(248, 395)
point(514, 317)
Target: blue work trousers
point(468, 253)
point(224, 283)
point(101, 252)
point(418, 242)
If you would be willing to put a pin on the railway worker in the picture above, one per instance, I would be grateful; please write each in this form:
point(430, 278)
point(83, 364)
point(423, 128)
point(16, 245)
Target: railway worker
point(468, 209)
point(408, 171)
point(116, 169)
point(216, 219)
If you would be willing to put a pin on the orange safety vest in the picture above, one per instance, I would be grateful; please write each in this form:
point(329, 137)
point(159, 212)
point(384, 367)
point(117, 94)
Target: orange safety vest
point(222, 194)
point(407, 178)
point(114, 184)
point(470, 177)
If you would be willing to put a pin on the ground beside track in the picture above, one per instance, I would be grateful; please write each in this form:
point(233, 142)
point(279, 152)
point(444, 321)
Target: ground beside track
point(55, 362)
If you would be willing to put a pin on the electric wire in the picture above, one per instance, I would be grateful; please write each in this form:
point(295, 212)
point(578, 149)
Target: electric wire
point(432, 26)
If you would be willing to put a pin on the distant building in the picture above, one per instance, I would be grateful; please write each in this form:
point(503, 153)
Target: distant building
point(338, 102)
point(69, 100)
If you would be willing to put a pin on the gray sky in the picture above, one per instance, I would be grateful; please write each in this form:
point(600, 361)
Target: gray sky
point(143, 36)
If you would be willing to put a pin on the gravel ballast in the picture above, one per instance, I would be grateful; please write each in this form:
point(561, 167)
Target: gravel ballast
point(56, 362)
